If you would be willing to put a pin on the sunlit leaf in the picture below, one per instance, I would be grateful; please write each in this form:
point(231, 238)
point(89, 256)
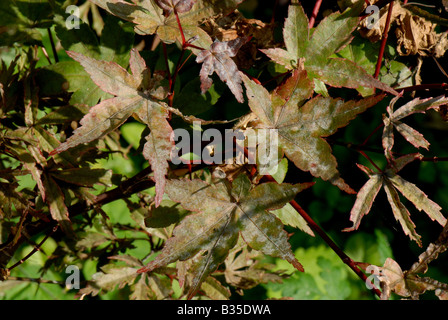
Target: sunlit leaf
point(302, 126)
point(223, 214)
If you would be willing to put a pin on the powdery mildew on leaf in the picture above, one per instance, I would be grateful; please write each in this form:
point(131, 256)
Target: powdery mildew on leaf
point(134, 94)
point(392, 120)
point(331, 35)
point(224, 212)
point(302, 125)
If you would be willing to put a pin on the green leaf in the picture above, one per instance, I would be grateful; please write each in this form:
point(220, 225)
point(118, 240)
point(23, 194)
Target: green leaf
point(331, 35)
point(223, 214)
point(84, 176)
point(54, 197)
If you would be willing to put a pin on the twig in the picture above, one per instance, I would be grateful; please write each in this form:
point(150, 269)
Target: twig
point(53, 47)
point(35, 249)
point(428, 86)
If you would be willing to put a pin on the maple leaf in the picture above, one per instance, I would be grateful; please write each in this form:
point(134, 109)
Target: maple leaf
point(218, 59)
point(317, 47)
point(392, 120)
point(302, 126)
point(134, 93)
point(392, 182)
point(223, 213)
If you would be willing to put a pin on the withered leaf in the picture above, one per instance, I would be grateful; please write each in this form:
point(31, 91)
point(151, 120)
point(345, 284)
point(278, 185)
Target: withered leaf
point(302, 126)
point(218, 59)
point(223, 213)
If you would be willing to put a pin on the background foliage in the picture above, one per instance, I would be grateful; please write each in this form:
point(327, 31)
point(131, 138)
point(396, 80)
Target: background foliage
point(116, 230)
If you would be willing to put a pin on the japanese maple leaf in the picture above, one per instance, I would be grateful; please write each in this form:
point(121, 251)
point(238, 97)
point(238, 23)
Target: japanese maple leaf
point(224, 213)
point(135, 93)
point(391, 182)
point(393, 120)
point(218, 59)
point(317, 47)
point(302, 126)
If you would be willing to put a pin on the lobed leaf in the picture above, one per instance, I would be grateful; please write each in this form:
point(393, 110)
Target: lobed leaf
point(224, 212)
point(301, 128)
point(330, 36)
point(418, 198)
point(400, 212)
point(218, 59)
point(364, 200)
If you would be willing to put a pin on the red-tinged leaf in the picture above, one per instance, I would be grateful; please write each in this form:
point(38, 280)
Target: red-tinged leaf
point(418, 105)
point(132, 91)
point(223, 212)
point(411, 135)
point(149, 18)
point(56, 203)
point(218, 59)
point(109, 76)
point(179, 5)
point(401, 162)
point(317, 47)
point(400, 212)
point(418, 198)
point(364, 200)
point(393, 118)
point(159, 144)
point(301, 128)
point(101, 119)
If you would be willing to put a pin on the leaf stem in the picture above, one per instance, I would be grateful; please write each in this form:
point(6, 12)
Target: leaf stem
point(314, 13)
point(383, 41)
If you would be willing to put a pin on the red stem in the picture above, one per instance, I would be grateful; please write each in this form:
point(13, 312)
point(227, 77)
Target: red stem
point(371, 134)
point(383, 41)
point(426, 87)
point(314, 13)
